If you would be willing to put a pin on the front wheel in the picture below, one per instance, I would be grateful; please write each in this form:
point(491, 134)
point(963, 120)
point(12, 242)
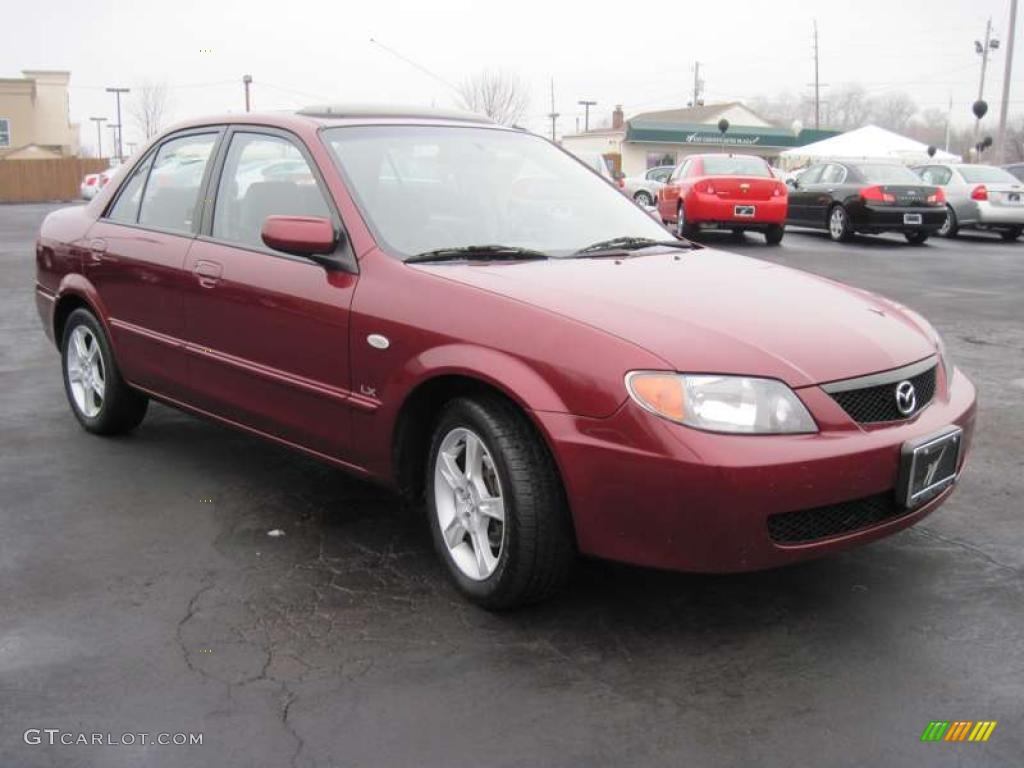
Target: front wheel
point(497, 510)
point(916, 238)
point(101, 400)
point(949, 227)
point(774, 234)
point(839, 227)
point(1009, 235)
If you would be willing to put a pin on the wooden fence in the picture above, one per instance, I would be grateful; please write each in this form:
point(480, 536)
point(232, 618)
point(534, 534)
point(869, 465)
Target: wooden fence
point(39, 181)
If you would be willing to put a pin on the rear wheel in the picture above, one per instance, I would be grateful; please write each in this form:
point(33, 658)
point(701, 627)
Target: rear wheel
point(949, 227)
point(644, 198)
point(839, 227)
point(683, 228)
point(1009, 235)
point(916, 238)
point(100, 399)
point(497, 511)
point(774, 234)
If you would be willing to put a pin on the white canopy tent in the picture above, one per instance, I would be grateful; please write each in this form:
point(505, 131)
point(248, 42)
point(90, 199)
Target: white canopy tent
point(867, 143)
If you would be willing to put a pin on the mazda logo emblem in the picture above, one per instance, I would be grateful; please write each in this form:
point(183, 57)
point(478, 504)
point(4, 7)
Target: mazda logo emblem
point(906, 398)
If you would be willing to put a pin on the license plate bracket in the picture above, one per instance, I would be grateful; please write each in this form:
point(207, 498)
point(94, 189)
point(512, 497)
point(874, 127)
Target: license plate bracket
point(928, 466)
point(745, 211)
point(911, 218)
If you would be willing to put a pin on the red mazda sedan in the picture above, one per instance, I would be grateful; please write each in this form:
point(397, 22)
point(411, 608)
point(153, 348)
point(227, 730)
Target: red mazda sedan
point(736, 192)
point(467, 313)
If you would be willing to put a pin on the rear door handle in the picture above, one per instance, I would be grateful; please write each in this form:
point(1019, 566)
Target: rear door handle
point(207, 272)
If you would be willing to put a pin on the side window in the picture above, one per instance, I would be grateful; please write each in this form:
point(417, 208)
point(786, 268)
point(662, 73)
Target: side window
point(126, 208)
point(833, 174)
point(681, 170)
point(263, 176)
point(942, 175)
point(5, 132)
point(812, 175)
point(169, 200)
point(659, 174)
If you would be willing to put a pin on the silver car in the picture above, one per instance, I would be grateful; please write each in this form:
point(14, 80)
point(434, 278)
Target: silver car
point(978, 197)
point(644, 189)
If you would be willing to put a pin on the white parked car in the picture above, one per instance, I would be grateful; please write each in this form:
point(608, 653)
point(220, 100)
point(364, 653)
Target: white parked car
point(644, 189)
point(978, 197)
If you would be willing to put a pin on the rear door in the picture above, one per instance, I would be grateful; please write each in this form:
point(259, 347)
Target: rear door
point(268, 330)
point(668, 195)
point(136, 260)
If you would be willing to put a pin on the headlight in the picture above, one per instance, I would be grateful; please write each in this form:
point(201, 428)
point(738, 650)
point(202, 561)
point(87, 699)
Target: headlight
point(738, 404)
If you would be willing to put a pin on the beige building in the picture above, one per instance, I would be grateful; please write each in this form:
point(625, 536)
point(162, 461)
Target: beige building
point(34, 110)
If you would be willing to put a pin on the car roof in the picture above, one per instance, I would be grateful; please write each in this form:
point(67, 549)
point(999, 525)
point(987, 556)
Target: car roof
point(317, 116)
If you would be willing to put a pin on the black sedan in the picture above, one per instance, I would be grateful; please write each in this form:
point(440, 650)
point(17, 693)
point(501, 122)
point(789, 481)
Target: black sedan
point(869, 197)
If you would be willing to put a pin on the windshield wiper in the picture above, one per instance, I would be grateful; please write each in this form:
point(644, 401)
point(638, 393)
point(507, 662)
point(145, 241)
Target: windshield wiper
point(477, 253)
point(619, 244)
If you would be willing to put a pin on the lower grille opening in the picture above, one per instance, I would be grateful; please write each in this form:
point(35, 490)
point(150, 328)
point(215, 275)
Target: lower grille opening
point(807, 525)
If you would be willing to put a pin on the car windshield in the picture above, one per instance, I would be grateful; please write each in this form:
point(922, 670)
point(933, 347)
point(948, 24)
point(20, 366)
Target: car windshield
point(980, 173)
point(888, 173)
point(729, 165)
point(423, 188)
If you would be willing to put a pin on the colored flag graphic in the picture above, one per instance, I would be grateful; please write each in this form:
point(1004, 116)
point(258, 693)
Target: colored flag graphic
point(958, 730)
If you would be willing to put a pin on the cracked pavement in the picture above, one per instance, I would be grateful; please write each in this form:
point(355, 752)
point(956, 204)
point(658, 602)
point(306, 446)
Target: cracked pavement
point(129, 605)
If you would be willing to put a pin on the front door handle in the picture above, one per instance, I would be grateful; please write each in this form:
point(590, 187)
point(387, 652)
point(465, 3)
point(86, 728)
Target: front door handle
point(207, 272)
point(97, 248)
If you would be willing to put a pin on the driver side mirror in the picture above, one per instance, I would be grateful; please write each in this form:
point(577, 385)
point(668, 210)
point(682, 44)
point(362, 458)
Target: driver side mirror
point(793, 183)
point(308, 236)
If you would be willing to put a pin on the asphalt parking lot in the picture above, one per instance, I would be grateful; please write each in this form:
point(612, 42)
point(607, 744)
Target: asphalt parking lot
point(140, 592)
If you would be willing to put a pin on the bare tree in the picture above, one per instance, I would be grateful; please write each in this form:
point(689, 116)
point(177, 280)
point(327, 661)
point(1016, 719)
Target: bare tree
point(784, 108)
point(848, 107)
point(498, 94)
point(929, 126)
point(149, 107)
point(893, 111)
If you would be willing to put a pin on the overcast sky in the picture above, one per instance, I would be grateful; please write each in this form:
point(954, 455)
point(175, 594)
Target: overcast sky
point(639, 54)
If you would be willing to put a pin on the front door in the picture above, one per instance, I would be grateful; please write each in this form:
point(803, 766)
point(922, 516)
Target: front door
point(267, 331)
point(136, 260)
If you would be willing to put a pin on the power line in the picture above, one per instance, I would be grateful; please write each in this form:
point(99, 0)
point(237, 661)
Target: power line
point(417, 65)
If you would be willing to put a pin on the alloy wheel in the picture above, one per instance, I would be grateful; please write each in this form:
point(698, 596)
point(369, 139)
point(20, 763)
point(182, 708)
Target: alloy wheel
point(837, 223)
point(644, 199)
point(86, 376)
point(469, 504)
point(946, 224)
point(680, 222)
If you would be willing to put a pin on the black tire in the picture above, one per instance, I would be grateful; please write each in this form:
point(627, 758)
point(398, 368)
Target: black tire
point(683, 228)
point(644, 198)
point(843, 232)
point(774, 234)
point(537, 546)
point(917, 237)
point(121, 408)
point(1009, 235)
point(950, 226)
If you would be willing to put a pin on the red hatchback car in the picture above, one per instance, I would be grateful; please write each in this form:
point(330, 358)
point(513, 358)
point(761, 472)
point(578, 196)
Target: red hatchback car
point(736, 192)
point(472, 316)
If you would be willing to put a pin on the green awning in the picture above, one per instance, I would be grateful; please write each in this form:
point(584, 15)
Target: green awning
point(654, 131)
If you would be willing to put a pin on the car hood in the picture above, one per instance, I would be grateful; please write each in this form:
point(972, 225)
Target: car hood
point(716, 312)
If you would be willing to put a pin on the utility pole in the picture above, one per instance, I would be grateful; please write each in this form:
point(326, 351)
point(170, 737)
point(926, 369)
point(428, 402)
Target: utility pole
point(246, 81)
point(552, 114)
point(115, 133)
point(99, 134)
point(817, 83)
point(1011, 34)
point(698, 86)
point(982, 49)
point(586, 112)
point(117, 93)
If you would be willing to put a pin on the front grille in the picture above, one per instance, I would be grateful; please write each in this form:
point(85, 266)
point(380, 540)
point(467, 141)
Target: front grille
point(878, 403)
point(822, 522)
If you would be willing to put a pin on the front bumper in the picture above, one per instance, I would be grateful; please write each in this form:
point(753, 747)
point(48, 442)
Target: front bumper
point(645, 491)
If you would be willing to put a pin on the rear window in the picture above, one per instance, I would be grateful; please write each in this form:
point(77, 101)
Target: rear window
point(735, 166)
point(980, 173)
point(888, 174)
